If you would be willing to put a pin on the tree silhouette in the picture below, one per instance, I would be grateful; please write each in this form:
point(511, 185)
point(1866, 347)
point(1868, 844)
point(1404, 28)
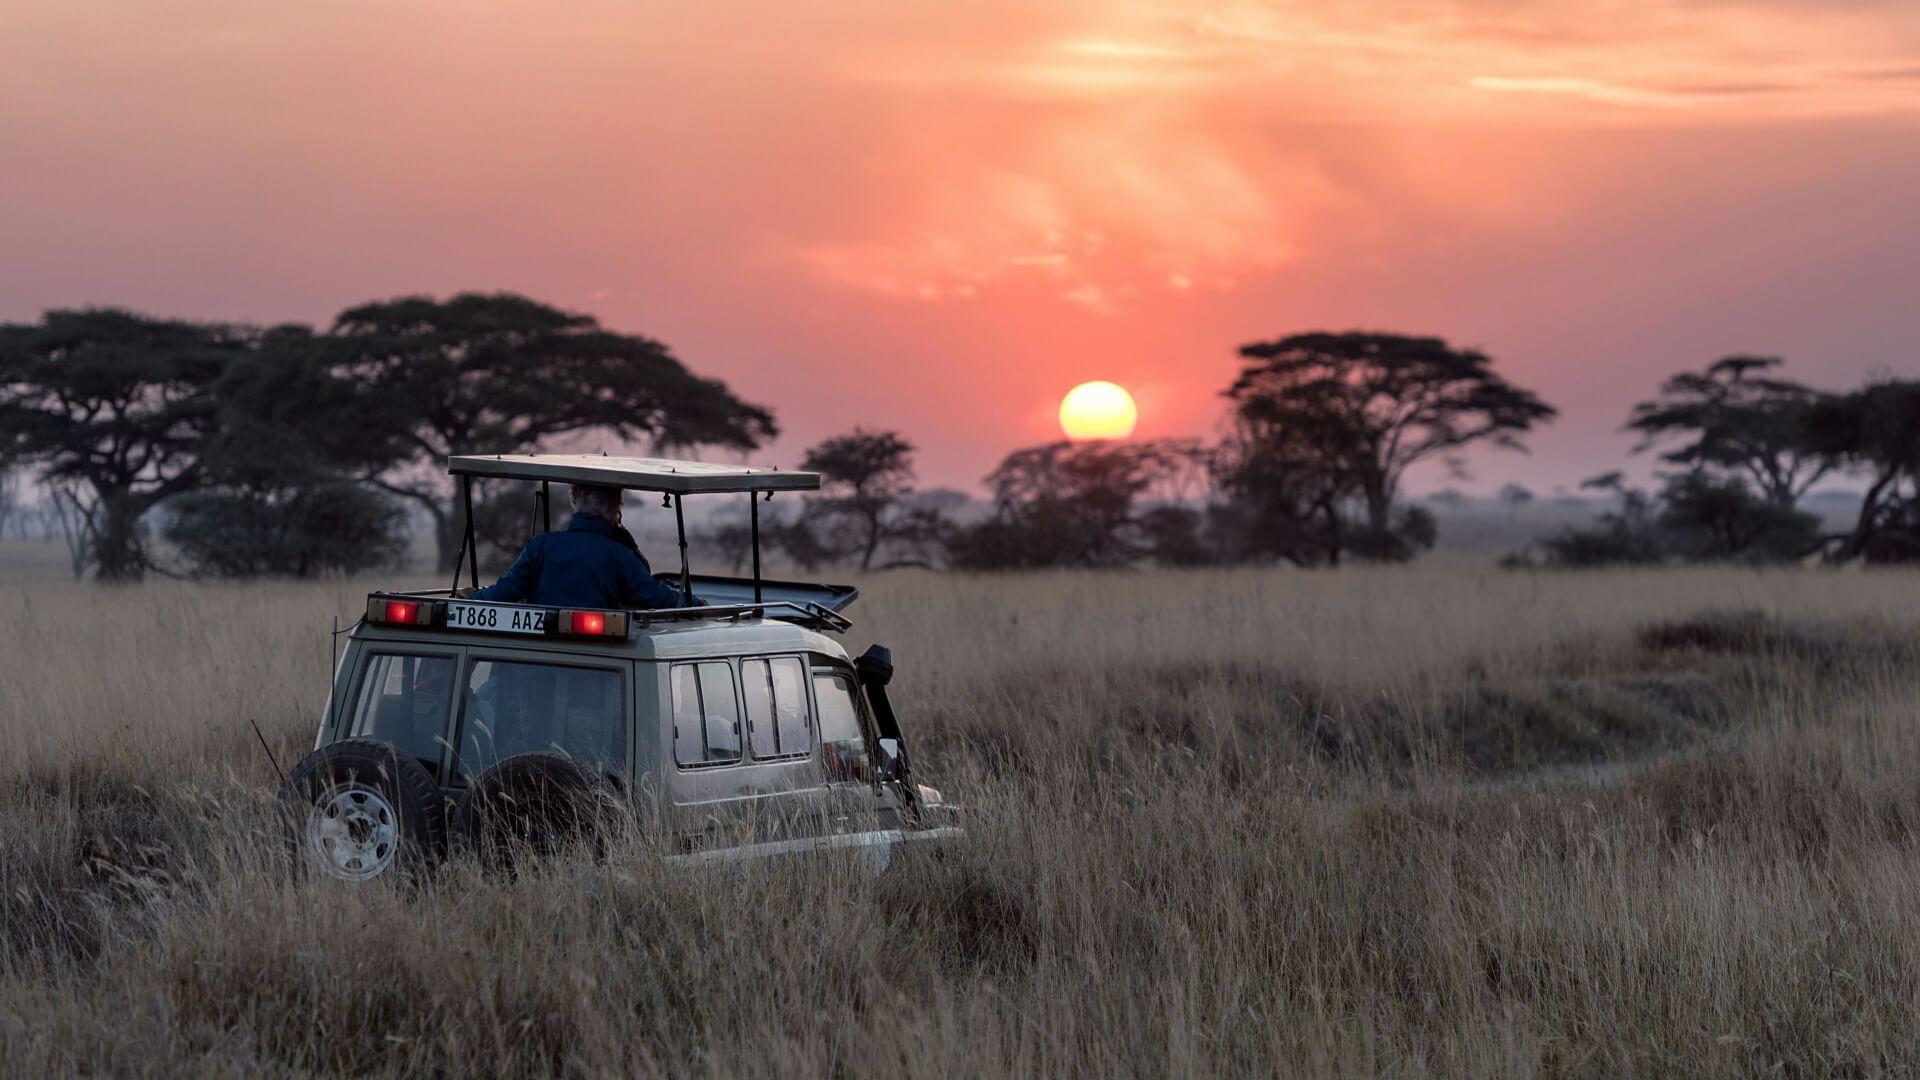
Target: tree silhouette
point(278, 494)
point(114, 408)
point(1515, 496)
point(863, 476)
point(10, 504)
point(1710, 516)
point(502, 373)
point(1876, 428)
point(1069, 504)
point(1734, 417)
point(1627, 535)
point(1284, 473)
point(1378, 404)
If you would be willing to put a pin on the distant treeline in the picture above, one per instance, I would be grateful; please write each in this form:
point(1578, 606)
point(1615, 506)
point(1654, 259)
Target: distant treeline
point(291, 450)
point(1744, 446)
point(1323, 428)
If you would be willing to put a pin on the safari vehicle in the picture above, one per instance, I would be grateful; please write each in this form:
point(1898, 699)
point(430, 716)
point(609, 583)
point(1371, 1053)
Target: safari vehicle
point(736, 729)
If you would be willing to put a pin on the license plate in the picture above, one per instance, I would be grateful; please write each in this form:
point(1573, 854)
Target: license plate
point(462, 615)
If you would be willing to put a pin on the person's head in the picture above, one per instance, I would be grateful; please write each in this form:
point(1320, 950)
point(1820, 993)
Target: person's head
point(601, 502)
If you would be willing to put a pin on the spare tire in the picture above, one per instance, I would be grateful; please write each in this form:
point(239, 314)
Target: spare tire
point(358, 809)
point(538, 802)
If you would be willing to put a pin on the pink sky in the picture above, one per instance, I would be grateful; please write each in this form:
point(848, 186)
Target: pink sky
point(940, 217)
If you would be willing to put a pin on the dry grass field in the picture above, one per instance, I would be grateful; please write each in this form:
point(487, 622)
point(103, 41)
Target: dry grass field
point(1429, 820)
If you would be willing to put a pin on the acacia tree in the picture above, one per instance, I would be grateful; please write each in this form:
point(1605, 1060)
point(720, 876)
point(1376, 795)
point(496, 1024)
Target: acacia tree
point(113, 408)
point(864, 475)
point(1515, 496)
point(1284, 475)
point(10, 505)
point(486, 373)
point(1069, 504)
point(1386, 402)
point(72, 514)
point(1735, 418)
point(279, 494)
point(1877, 429)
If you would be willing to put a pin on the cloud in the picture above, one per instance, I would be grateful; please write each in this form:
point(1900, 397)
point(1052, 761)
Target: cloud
point(1172, 129)
point(1590, 89)
point(1697, 95)
point(1092, 297)
point(1897, 74)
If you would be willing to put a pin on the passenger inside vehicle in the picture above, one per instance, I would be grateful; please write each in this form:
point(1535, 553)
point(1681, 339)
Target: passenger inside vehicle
point(593, 563)
point(516, 708)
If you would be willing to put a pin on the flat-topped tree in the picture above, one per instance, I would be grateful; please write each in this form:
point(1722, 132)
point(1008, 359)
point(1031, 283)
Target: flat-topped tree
point(116, 405)
point(1387, 401)
point(1876, 429)
point(1736, 418)
point(1071, 504)
point(279, 493)
point(866, 474)
point(499, 372)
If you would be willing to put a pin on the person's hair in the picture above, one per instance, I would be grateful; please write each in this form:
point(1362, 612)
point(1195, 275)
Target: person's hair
point(596, 500)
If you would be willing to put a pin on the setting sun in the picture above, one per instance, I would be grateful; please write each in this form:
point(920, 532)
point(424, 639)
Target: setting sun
point(1098, 410)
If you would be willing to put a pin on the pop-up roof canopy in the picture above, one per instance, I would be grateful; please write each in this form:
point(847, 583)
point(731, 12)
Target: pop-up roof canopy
point(676, 478)
point(641, 474)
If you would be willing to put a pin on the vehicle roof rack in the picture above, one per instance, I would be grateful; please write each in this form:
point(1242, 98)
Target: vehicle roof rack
point(805, 613)
point(800, 612)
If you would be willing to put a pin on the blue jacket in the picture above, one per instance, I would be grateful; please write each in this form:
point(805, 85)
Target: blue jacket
point(586, 566)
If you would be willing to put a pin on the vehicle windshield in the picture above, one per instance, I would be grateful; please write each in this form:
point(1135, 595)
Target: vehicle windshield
point(520, 708)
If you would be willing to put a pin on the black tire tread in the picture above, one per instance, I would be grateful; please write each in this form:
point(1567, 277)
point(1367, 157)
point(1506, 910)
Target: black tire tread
point(468, 820)
point(417, 799)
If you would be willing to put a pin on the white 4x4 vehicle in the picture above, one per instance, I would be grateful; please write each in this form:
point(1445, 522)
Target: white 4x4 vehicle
point(738, 729)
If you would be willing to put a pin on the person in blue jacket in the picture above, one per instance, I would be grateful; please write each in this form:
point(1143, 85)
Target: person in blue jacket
point(593, 563)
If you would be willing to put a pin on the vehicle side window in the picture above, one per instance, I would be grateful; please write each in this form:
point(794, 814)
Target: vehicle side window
point(843, 749)
point(513, 708)
point(776, 700)
point(403, 700)
point(706, 714)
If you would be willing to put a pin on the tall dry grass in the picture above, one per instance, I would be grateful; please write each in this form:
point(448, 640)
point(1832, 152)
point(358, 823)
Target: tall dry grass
point(1408, 821)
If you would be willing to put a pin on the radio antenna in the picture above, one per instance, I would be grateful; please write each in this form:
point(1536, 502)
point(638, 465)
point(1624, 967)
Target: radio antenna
point(275, 762)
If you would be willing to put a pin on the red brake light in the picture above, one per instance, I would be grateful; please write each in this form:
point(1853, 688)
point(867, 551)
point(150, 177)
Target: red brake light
point(591, 623)
point(380, 609)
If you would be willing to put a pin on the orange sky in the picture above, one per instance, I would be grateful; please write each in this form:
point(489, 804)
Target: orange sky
point(939, 217)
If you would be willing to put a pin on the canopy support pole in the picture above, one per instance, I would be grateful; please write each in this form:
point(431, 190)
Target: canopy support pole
point(546, 506)
point(472, 546)
point(459, 562)
point(686, 575)
point(753, 515)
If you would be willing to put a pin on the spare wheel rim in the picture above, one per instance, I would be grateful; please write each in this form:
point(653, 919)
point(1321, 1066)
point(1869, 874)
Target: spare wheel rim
point(353, 832)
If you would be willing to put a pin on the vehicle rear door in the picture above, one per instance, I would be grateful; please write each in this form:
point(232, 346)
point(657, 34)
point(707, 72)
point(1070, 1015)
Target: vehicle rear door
point(402, 693)
point(519, 701)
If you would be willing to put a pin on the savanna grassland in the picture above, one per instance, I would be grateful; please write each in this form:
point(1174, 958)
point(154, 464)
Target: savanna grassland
point(1427, 820)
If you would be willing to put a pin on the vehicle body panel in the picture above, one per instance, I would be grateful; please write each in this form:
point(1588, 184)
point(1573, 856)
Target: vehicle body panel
point(753, 806)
